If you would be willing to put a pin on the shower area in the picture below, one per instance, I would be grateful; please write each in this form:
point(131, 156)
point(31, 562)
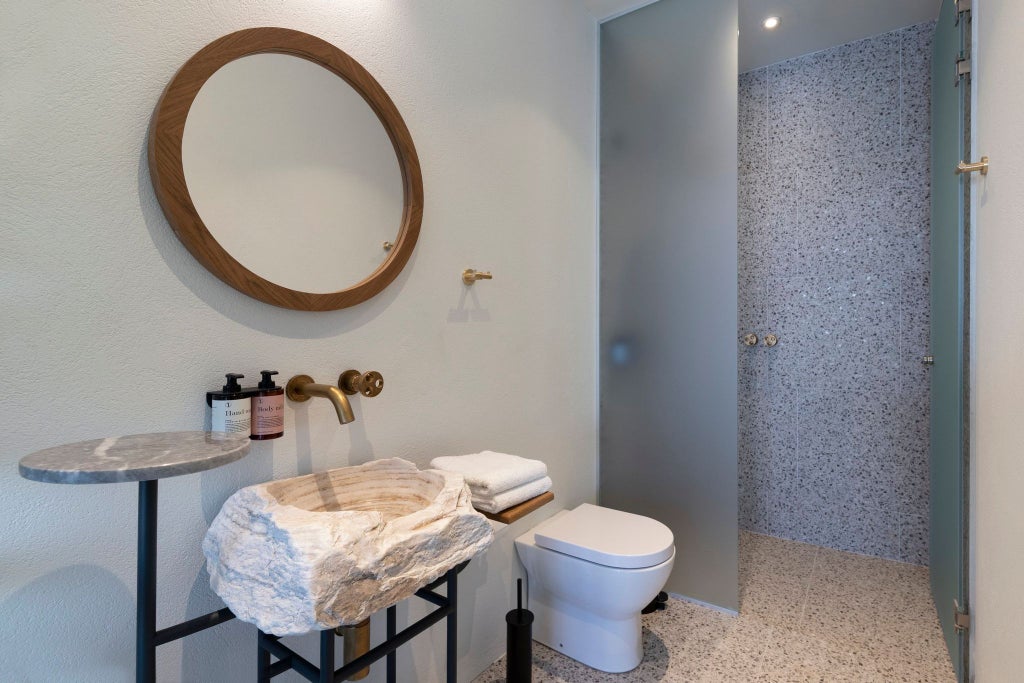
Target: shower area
point(767, 288)
point(833, 259)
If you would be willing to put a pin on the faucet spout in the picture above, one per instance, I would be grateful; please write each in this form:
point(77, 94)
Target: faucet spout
point(302, 388)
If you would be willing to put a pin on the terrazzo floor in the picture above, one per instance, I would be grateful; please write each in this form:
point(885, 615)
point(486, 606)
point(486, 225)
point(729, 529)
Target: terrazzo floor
point(807, 614)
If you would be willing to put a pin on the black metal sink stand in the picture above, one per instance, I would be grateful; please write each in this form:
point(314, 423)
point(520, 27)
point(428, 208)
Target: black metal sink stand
point(289, 660)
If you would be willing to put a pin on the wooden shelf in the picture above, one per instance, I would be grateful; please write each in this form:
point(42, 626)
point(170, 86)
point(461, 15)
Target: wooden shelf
point(515, 512)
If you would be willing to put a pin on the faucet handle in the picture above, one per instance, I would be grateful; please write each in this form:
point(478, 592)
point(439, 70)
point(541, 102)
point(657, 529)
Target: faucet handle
point(369, 383)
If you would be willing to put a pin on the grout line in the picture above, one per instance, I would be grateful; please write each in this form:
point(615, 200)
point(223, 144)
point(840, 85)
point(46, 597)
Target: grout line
point(807, 587)
point(902, 103)
point(899, 536)
point(767, 118)
point(900, 330)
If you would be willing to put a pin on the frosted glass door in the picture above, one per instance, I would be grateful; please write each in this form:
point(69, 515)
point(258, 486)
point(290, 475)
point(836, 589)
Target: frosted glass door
point(947, 541)
point(668, 282)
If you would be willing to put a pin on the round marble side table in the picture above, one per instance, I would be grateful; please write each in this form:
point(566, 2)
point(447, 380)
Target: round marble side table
point(144, 458)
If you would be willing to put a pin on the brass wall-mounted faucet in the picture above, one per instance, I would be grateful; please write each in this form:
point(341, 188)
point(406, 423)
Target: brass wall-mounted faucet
point(302, 388)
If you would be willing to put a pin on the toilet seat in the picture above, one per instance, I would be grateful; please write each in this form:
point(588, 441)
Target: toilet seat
point(607, 537)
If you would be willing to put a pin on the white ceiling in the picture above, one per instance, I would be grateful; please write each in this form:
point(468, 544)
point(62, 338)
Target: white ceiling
point(603, 10)
point(810, 25)
point(807, 25)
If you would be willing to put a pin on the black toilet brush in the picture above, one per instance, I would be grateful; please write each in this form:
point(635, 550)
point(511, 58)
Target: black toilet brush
point(519, 657)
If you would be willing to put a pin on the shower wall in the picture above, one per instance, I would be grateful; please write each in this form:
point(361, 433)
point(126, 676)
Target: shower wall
point(834, 259)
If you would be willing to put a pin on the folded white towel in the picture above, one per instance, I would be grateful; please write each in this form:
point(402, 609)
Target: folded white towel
point(489, 473)
point(505, 500)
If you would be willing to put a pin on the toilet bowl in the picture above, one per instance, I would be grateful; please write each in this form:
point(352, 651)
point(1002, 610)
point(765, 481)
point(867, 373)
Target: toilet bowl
point(590, 571)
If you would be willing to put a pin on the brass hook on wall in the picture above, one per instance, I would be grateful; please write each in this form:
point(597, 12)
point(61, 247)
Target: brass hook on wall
point(469, 276)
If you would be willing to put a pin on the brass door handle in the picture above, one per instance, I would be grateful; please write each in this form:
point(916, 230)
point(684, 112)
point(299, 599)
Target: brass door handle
point(980, 166)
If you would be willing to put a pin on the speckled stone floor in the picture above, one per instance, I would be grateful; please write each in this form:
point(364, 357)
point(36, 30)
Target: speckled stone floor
point(807, 614)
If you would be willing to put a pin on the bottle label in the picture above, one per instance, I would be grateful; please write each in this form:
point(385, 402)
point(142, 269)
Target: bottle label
point(231, 416)
point(267, 415)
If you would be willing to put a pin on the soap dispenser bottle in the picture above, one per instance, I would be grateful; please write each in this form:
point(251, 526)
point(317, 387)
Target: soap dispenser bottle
point(231, 407)
point(267, 408)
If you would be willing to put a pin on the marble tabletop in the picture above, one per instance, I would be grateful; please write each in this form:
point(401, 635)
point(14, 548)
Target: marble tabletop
point(139, 457)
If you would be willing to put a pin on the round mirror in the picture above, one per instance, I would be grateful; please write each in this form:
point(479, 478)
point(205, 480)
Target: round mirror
point(285, 169)
point(288, 166)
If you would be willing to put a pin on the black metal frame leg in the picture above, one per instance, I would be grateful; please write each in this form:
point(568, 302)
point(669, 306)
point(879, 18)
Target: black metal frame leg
point(262, 660)
point(452, 623)
point(392, 676)
point(327, 656)
point(145, 586)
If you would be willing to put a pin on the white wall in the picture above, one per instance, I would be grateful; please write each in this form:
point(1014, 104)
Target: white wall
point(997, 591)
point(110, 327)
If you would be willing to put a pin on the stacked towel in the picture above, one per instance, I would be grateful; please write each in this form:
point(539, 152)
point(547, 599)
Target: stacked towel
point(506, 499)
point(498, 480)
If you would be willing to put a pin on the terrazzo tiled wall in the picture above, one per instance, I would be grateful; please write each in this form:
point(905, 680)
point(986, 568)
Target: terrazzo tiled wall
point(834, 259)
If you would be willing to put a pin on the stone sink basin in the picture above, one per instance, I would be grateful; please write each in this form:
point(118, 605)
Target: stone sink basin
point(331, 548)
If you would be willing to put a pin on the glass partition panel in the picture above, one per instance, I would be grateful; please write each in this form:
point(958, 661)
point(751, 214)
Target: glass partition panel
point(668, 282)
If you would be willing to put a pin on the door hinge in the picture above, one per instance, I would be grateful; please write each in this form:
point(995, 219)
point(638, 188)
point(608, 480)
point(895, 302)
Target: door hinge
point(963, 68)
point(961, 619)
point(928, 360)
point(962, 7)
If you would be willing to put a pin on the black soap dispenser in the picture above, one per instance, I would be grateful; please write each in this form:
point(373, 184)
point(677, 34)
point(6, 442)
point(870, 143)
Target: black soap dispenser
point(267, 408)
point(231, 407)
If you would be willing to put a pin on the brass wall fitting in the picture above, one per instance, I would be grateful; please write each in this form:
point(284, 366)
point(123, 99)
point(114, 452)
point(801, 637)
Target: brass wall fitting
point(369, 383)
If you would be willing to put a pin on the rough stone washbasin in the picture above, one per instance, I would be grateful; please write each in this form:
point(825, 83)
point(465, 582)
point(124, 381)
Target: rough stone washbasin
point(331, 548)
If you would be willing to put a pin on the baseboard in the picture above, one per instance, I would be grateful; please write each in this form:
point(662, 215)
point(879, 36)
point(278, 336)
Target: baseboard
point(701, 603)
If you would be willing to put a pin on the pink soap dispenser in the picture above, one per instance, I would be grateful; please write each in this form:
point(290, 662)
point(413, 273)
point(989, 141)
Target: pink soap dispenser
point(267, 409)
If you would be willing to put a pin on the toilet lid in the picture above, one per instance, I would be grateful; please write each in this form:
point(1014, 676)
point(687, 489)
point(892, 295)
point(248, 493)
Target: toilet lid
point(607, 537)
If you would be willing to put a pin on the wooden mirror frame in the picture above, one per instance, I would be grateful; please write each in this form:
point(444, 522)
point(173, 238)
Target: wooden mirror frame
point(168, 174)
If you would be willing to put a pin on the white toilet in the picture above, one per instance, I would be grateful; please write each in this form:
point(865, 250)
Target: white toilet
point(590, 571)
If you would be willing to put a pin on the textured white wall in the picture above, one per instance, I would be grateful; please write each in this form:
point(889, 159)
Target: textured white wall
point(110, 327)
point(997, 577)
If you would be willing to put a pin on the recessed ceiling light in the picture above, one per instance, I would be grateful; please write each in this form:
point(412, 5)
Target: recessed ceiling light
point(771, 22)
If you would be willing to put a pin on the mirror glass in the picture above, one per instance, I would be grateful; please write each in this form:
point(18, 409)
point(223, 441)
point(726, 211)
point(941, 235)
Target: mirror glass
point(292, 172)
